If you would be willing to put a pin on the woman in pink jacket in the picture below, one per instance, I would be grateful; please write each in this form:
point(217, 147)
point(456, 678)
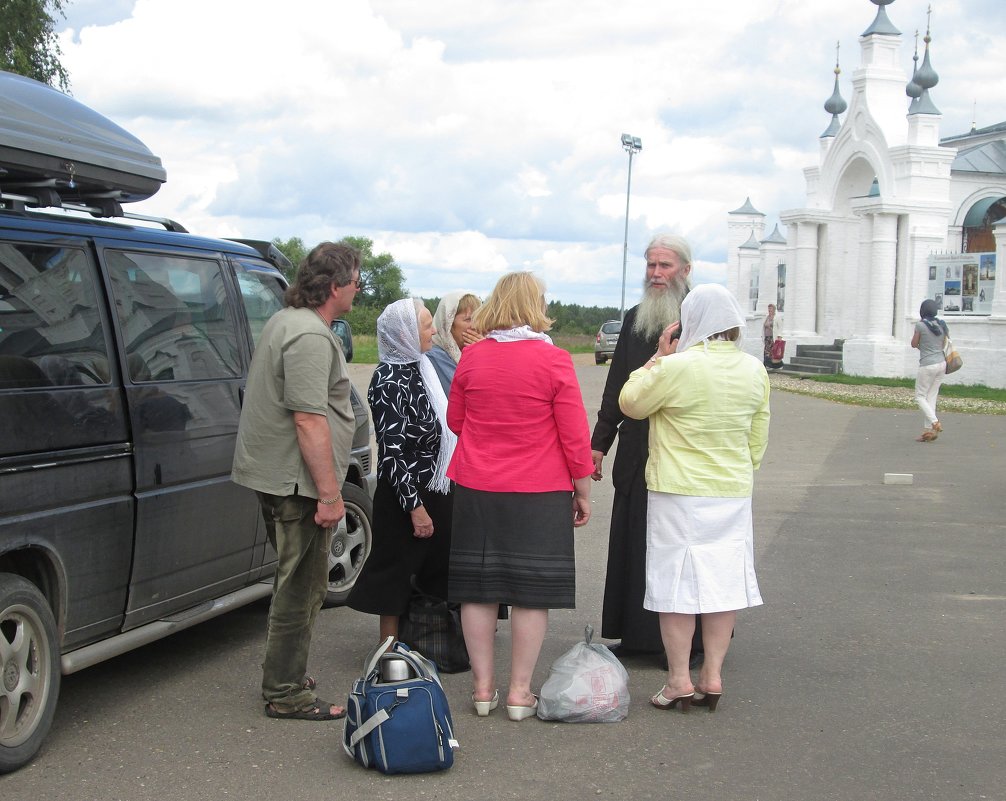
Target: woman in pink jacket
point(522, 469)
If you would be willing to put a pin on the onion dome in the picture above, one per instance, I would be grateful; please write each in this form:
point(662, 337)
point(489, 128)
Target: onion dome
point(835, 104)
point(881, 24)
point(913, 90)
point(923, 79)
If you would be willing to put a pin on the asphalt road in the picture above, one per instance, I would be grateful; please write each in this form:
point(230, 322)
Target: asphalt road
point(873, 671)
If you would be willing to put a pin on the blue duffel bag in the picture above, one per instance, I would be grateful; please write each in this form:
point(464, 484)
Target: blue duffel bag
point(397, 718)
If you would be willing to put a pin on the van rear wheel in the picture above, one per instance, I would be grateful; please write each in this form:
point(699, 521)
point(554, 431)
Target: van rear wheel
point(29, 670)
point(350, 544)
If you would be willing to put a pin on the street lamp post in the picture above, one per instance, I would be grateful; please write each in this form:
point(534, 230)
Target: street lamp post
point(631, 145)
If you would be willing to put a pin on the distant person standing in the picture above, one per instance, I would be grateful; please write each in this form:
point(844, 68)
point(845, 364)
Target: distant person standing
point(293, 445)
point(668, 264)
point(771, 331)
point(929, 337)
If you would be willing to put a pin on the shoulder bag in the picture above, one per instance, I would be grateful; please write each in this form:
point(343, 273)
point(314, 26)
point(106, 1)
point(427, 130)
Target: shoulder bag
point(778, 350)
point(954, 360)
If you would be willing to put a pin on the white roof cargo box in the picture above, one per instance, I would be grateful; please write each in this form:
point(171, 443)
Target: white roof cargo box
point(58, 150)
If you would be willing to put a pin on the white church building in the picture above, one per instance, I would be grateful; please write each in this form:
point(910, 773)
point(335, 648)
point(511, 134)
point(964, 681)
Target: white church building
point(894, 214)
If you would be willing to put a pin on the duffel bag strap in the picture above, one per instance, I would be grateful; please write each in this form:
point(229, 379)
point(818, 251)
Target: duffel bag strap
point(422, 667)
point(368, 726)
point(371, 662)
point(379, 717)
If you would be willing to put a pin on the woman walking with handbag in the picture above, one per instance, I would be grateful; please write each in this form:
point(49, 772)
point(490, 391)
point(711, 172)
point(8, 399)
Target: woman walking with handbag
point(929, 337)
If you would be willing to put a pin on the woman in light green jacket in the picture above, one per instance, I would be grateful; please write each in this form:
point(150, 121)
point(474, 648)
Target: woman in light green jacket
point(708, 406)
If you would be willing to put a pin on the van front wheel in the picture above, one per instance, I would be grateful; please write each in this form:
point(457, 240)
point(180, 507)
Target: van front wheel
point(29, 670)
point(350, 544)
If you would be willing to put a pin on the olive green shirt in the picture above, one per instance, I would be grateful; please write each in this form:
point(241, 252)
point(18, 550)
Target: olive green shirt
point(298, 366)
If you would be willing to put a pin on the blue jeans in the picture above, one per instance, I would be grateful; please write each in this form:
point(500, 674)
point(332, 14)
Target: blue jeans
point(299, 588)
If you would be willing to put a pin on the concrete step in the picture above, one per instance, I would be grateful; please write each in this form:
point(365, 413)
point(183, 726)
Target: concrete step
point(815, 360)
point(819, 352)
point(832, 365)
point(817, 366)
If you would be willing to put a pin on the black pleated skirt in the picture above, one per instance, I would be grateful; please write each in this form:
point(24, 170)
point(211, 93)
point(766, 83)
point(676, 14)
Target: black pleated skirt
point(513, 548)
point(384, 586)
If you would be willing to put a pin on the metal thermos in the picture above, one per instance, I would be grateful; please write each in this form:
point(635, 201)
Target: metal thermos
point(395, 670)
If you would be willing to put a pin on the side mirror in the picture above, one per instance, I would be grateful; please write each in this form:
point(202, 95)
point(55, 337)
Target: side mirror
point(344, 331)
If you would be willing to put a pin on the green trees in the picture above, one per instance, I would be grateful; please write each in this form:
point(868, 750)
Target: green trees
point(383, 280)
point(294, 249)
point(384, 283)
point(28, 43)
point(572, 318)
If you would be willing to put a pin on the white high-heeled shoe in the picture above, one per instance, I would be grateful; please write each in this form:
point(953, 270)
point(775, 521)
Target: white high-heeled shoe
point(518, 712)
point(483, 708)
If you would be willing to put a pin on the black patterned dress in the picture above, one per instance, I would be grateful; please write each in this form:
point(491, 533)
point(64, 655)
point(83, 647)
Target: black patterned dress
point(408, 441)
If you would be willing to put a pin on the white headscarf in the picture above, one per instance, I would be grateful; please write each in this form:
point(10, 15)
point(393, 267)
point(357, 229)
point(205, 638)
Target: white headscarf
point(708, 309)
point(398, 343)
point(443, 321)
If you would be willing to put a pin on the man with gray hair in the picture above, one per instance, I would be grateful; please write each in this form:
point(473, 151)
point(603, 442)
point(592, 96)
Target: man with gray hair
point(293, 444)
point(668, 264)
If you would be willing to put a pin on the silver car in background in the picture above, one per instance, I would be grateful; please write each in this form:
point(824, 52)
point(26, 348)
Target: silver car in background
point(607, 338)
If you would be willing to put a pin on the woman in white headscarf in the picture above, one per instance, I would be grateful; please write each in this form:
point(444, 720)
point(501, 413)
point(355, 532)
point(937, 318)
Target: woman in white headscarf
point(453, 321)
point(708, 406)
point(413, 499)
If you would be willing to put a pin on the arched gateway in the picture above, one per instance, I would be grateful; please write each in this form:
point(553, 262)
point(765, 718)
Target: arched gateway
point(894, 214)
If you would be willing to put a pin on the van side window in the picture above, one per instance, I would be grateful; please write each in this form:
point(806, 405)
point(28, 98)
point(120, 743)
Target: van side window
point(262, 295)
point(175, 319)
point(50, 329)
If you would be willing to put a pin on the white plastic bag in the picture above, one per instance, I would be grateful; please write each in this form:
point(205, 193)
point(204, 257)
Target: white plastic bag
point(587, 684)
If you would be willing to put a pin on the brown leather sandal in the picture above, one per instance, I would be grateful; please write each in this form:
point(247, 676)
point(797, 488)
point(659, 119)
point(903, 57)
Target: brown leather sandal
point(927, 436)
point(319, 710)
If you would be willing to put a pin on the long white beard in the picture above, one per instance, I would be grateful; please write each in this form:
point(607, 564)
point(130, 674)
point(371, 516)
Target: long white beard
point(657, 310)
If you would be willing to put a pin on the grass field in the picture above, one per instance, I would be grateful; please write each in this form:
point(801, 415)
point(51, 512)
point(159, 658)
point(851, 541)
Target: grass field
point(365, 352)
point(946, 390)
point(365, 346)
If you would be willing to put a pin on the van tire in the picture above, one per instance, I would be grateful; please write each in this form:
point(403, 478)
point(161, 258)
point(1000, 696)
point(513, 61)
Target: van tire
point(29, 670)
point(350, 544)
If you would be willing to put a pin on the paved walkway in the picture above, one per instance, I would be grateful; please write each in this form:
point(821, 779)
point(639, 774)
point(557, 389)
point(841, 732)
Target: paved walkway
point(875, 669)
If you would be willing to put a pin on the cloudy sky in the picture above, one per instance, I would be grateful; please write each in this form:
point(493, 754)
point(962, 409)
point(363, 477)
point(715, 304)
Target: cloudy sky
point(470, 137)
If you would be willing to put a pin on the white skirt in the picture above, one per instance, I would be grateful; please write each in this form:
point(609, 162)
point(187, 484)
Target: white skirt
point(699, 554)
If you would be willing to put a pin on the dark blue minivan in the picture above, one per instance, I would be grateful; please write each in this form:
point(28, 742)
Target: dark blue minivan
point(123, 357)
point(124, 350)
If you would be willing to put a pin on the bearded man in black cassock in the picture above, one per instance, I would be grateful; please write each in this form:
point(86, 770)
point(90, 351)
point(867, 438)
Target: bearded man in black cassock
point(668, 264)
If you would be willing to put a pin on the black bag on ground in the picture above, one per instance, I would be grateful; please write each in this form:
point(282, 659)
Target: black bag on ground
point(432, 626)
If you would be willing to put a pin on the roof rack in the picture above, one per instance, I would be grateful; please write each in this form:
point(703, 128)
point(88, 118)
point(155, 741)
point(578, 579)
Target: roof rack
point(268, 251)
point(103, 207)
